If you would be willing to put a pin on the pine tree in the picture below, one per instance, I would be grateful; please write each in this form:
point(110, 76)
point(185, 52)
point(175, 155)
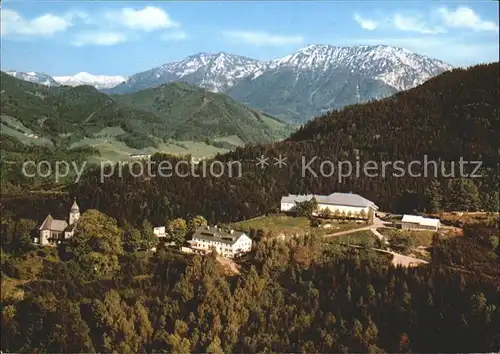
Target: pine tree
point(433, 196)
point(462, 195)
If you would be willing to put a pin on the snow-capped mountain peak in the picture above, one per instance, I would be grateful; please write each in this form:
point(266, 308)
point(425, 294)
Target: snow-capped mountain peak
point(397, 67)
point(84, 78)
point(37, 78)
point(213, 71)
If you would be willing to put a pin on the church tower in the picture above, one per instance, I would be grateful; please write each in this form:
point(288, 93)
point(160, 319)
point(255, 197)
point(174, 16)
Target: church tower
point(74, 213)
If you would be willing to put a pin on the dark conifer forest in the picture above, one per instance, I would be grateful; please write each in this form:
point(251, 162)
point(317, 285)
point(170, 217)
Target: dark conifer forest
point(300, 296)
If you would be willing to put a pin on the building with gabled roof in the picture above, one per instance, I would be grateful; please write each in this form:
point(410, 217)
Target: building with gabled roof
point(341, 203)
point(53, 231)
point(415, 222)
point(226, 243)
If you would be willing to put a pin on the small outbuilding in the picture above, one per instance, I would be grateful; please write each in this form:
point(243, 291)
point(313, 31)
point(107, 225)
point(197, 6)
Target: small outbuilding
point(414, 222)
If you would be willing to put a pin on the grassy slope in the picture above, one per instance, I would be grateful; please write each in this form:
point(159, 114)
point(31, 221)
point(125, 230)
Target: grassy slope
point(117, 151)
point(289, 225)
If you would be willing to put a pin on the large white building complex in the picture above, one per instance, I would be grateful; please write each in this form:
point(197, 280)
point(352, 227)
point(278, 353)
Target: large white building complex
point(336, 203)
point(227, 244)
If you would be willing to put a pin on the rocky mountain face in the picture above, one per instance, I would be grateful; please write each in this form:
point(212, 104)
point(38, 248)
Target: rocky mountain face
point(320, 78)
point(396, 67)
point(215, 72)
point(297, 87)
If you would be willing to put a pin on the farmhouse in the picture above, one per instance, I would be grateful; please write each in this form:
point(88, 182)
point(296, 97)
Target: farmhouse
point(336, 203)
point(414, 222)
point(53, 231)
point(227, 244)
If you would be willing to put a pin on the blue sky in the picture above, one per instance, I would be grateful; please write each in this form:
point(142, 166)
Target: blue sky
point(123, 38)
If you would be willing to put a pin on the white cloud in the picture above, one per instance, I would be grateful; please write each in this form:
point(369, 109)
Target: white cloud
point(46, 25)
point(414, 24)
point(263, 38)
point(452, 50)
point(464, 17)
point(438, 21)
point(101, 38)
point(174, 36)
point(147, 19)
point(365, 23)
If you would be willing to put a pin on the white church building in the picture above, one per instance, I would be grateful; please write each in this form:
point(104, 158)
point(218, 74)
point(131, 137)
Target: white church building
point(336, 203)
point(53, 231)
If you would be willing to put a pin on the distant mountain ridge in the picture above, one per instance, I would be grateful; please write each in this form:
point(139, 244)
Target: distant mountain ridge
point(100, 82)
point(296, 87)
point(37, 78)
point(215, 72)
point(396, 67)
point(299, 86)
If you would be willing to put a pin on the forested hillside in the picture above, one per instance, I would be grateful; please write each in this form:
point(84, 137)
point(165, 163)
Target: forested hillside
point(65, 115)
point(453, 115)
point(92, 294)
point(303, 296)
point(194, 113)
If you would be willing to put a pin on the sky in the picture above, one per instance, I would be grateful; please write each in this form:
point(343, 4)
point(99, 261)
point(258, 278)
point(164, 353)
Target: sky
point(126, 37)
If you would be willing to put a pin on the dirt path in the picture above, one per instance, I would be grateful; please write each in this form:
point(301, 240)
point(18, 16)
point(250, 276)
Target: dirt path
point(406, 261)
point(398, 259)
point(340, 233)
point(229, 265)
point(377, 224)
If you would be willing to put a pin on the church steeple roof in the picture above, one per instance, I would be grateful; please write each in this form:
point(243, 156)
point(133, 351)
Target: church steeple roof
point(75, 208)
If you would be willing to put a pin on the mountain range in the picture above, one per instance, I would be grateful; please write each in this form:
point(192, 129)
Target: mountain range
point(37, 78)
point(100, 82)
point(297, 87)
